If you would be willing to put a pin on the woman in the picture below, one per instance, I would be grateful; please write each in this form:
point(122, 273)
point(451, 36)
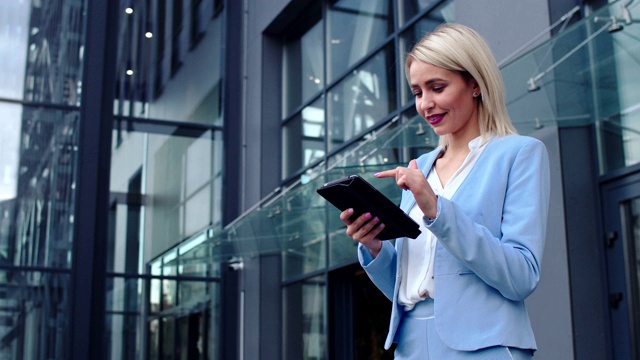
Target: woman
point(481, 199)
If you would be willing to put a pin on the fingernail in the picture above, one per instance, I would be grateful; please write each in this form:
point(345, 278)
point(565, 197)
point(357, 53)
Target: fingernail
point(381, 226)
point(350, 211)
point(376, 174)
point(375, 219)
point(367, 216)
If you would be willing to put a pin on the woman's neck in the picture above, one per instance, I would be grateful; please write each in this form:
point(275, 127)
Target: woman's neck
point(460, 144)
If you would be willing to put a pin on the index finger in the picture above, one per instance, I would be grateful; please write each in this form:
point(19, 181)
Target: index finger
point(386, 174)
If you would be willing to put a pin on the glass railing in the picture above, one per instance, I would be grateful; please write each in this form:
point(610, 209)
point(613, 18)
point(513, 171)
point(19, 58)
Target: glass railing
point(296, 222)
point(586, 75)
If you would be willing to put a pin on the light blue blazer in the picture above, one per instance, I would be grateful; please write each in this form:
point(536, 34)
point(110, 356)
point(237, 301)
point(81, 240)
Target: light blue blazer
point(491, 236)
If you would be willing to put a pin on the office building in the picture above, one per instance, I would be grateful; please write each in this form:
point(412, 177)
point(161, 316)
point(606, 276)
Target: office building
point(159, 161)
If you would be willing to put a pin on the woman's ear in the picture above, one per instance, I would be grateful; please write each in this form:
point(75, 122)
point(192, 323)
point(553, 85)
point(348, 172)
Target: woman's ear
point(476, 88)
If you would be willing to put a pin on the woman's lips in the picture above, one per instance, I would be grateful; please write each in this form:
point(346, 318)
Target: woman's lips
point(435, 119)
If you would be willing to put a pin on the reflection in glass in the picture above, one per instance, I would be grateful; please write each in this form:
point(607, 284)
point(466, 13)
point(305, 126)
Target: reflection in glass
point(192, 306)
point(54, 58)
point(411, 8)
point(14, 39)
point(154, 338)
point(355, 28)
point(123, 294)
point(11, 120)
point(168, 338)
point(171, 184)
point(302, 68)
point(155, 288)
point(155, 41)
point(303, 138)
point(34, 313)
point(620, 108)
point(42, 211)
point(409, 38)
point(301, 228)
point(168, 294)
point(304, 324)
point(361, 100)
point(122, 332)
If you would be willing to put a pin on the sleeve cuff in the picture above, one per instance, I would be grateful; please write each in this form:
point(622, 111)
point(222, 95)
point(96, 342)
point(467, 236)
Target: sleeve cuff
point(368, 261)
point(427, 220)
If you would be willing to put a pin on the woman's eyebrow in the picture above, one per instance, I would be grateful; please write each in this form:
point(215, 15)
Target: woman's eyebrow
point(428, 82)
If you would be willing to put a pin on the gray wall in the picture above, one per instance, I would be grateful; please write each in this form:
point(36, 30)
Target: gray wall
point(505, 24)
point(550, 305)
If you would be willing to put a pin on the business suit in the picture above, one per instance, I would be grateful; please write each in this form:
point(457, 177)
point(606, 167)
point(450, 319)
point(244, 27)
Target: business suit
point(490, 244)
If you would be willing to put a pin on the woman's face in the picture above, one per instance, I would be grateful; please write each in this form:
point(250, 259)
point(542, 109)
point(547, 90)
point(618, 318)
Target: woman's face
point(444, 98)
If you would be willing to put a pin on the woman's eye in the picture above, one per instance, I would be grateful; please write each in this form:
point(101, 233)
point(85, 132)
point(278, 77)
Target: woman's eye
point(417, 93)
point(438, 89)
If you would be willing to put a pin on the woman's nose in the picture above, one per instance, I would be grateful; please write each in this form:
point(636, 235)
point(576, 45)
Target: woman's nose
point(427, 104)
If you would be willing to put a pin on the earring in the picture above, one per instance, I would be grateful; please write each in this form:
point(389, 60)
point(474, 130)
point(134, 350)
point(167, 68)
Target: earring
point(475, 94)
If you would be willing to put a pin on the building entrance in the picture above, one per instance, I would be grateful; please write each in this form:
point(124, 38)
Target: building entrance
point(359, 314)
point(621, 206)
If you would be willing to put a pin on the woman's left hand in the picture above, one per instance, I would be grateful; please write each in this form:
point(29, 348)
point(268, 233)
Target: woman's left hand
point(412, 179)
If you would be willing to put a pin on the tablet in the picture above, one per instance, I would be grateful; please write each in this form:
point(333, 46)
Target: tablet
point(355, 192)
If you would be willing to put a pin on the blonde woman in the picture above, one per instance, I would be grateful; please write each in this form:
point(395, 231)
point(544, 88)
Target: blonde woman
point(481, 199)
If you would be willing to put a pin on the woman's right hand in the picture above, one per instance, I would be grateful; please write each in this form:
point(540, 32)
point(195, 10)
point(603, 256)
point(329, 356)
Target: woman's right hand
point(364, 230)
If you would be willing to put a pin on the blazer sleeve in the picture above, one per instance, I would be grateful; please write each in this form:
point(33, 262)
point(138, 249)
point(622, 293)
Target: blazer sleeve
point(507, 259)
point(382, 268)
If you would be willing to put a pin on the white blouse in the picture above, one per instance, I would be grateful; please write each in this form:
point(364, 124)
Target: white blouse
point(416, 260)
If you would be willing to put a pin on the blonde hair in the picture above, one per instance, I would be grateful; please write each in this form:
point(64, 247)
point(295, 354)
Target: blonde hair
point(458, 48)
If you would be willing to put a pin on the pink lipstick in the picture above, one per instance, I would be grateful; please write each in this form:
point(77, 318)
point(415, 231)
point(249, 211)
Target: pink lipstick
point(435, 119)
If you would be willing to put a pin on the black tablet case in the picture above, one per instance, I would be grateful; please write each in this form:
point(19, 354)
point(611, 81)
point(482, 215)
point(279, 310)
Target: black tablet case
point(355, 192)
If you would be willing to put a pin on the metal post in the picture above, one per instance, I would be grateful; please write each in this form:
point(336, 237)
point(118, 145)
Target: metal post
point(87, 291)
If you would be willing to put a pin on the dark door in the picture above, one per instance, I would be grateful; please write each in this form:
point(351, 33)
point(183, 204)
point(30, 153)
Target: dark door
point(359, 316)
point(621, 205)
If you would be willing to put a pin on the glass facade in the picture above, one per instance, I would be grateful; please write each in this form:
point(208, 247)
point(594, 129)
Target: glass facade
point(167, 164)
point(165, 179)
point(40, 81)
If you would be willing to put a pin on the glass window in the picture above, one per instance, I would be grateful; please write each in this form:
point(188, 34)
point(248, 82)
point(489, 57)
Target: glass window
point(44, 197)
point(151, 81)
point(355, 28)
point(304, 326)
point(154, 339)
point(303, 138)
point(34, 314)
point(55, 52)
point(302, 228)
point(181, 192)
point(620, 105)
point(303, 68)
point(14, 17)
point(408, 39)
point(12, 119)
point(411, 8)
point(122, 318)
point(361, 100)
